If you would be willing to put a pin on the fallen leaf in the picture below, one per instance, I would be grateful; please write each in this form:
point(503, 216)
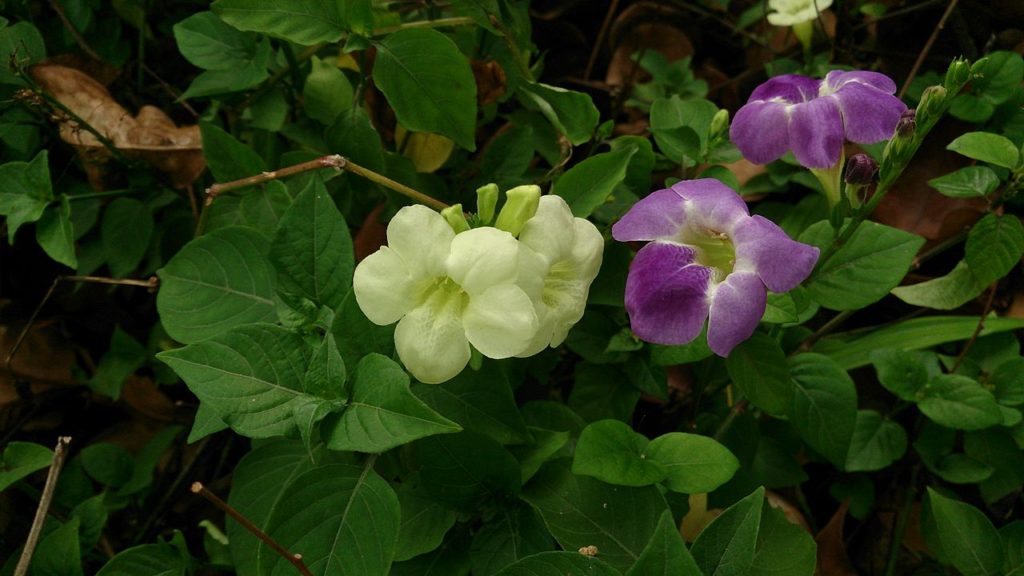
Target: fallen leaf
point(644, 26)
point(490, 81)
point(832, 558)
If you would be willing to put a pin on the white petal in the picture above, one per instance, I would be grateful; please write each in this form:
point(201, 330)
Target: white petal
point(587, 249)
point(483, 257)
point(384, 286)
point(422, 238)
point(500, 322)
point(550, 231)
point(431, 341)
point(533, 269)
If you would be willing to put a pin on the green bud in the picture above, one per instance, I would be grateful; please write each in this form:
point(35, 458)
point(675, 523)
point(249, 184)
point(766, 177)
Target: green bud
point(520, 205)
point(486, 200)
point(933, 101)
point(455, 218)
point(957, 75)
point(978, 68)
point(719, 125)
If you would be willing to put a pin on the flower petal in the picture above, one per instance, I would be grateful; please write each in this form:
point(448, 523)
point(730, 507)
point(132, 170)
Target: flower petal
point(765, 249)
point(550, 232)
point(481, 258)
point(711, 204)
point(666, 294)
point(422, 238)
point(500, 322)
point(792, 88)
point(761, 131)
point(869, 115)
point(383, 286)
point(816, 133)
point(431, 341)
point(658, 215)
point(736, 308)
point(837, 79)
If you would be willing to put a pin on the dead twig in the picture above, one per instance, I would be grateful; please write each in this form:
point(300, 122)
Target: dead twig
point(59, 453)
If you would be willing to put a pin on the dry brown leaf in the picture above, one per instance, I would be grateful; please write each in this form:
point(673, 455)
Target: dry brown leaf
point(150, 137)
point(491, 82)
point(644, 26)
point(832, 558)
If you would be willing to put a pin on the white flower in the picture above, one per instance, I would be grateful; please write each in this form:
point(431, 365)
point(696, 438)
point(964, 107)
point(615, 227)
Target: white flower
point(559, 259)
point(446, 291)
point(790, 12)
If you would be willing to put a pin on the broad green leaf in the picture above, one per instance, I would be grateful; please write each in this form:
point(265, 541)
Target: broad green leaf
point(587, 185)
point(726, 546)
point(559, 564)
point(783, 548)
point(451, 558)
point(149, 559)
point(424, 522)
point(56, 235)
point(429, 84)
point(681, 126)
point(22, 42)
point(121, 360)
point(59, 553)
point(947, 292)
point(958, 402)
point(344, 519)
point(971, 108)
point(206, 422)
point(108, 464)
point(259, 208)
point(510, 536)
point(356, 336)
point(217, 82)
point(1012, 535)
point(382, 413)
point(207, 42)
point(694, 464)
point(300, 21)
point(466, 470)
point(573, 114)
point(251, 376)
point(546, 444)
point(228, 158)
point(998, 449)
point(641, 165)
point(758, 368)
point(865, 269)
point(1007, 381)
point(995, 244)
point(987, 147)
point(326, 375)
point(967, 538)
point(327, 93)
point(665, 554)
point(312, 250)
point(126, 229)
point(824, 409)
point(26, 192)
point(216, 282)
point(19, 459)
point(352, 135)
point(876, 443)
point(967, 182)
point(610, 451)
point(961, 469)
point(92, 516)
point(582, 511)
point(479, 400)
point(901, 372)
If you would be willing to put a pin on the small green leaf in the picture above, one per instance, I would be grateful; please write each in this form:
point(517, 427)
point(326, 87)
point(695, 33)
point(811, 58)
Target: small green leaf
point(726, 546)
point(150, 559)
point(694, 464)
point(1007, 381)
point(681, 126)
point(19, 459)
point(997, 448)
point(146, 460)
point(207, 42)
point(424, 522)
point(573, 114)
point(758, 368)
point(218, 82)
point(961, 469)
point(107, 463)
point(965, 536)
point(26, 192)
point(824, 409)
point(228, 158)
point(987, 147)
point(121, 360)
point(967, 182)
point(783, 548)
point(56, 235)
point(666, 553)
point(305, 22)
point(588, 184)
point(610, 451)
point(947, 292)
point(326, 375)
point(126, 229)
point(59, 552)
point(352, 135)
point(547, 444)
point(998, 76)
point(875, 444)
point(995, 245)
point(900, 372)
point(327, 93)
point(959, 402)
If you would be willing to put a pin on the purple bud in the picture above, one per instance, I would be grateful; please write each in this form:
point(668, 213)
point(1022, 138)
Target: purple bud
point(907, 123)
point(860, 170)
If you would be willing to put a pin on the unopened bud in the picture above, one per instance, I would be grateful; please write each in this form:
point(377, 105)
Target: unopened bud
point(958, 73)
point(455, 218)
point(719, 125)
point(521, 204)
point(907, 123)
point(486, 200)
point(860, 170)
point(978, 68)
point(932, 102)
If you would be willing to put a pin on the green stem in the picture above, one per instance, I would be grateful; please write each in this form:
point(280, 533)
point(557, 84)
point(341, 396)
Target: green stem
point(104, 194)
point(902, 521)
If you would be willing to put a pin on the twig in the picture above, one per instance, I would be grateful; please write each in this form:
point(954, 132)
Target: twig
point(605, 25)
point(825, 330)
point(734, 413)
point(927, 47)
point(295, 559)
point(44, 505)
point(977, 329)
point(79, 39)
point(171, 90)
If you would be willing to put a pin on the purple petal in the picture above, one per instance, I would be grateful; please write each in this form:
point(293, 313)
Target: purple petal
point(836, 79)
point(666, 294)
point(761, 131)
point(736, 308)
point(793, 88)
point(869, 115)
point(816, 133)
point(763, 248)
point(659, 215)
point(711, 204)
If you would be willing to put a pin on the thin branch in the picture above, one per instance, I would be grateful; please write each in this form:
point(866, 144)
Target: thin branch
point(927, 47)
point(605, 25)
point(79, 39)
point(295, 559)
point(977, 329)
point(59, 454)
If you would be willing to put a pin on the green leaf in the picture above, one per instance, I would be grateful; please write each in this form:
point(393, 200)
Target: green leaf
point(19, 459)
point(216, 282)
point(947, 292)
point(582, 511)
point(900, 372)
point(967, 182)
point(783, 548)
point(573, 114)
point(681, 126)
point(207, 42)
point(92, 515)
point(508, 537)
point(424, 522)
point(559, 564)
point(327, 93)
point(478, 400)
point(107, 463)
point(971, 108)
point(251, 376)
point(824, 409)
point(26, 192)
point(1007, 381)
point(665, 554)
point(121, 361)
point(344, 519)
point(58, 553)
point(695, 464)
point(587, 185)
point(217, 82)
point(146, 460)
point(610, 451)
point(966, 537)
point(865, 269)
point(429, 84)
point(326, 375)
point(758, 368)
point(228, 158)
point(959, 402)
point(547, 443)
point(995, 245)
point(126, 229)
point(352, 135)
point(998, 76)
point(301, 21)
point(383, 412)
point(998, 449)
point(726, 546)
point(149, 559)
point(465, 470)
point(449, 559)
point(356, 336)
point(1012, 535)
point(876, 443)
point(602, 391)
point(987, 147)
point(312, 250)
point(961, 469)
point(56, 235)
point(206, 422)
point(22, 41)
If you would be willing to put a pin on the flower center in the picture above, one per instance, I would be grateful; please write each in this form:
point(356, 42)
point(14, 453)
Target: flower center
point(714, 249)
point(444, 296)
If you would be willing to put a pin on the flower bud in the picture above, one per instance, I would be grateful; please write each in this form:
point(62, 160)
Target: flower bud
point(520, 205)
point(455, 218)
point(719, 125)
point(932, 103)
point(907, 124)
point(486, 200)
point(860, 170)
point(957, 75)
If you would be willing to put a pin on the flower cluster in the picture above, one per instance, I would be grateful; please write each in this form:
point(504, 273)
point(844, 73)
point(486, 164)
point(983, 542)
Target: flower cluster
point(706, 259)
point(480, 287)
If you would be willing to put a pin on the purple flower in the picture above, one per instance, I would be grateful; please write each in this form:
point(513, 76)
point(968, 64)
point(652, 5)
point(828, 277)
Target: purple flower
point(813, 117)
point(707, 258)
